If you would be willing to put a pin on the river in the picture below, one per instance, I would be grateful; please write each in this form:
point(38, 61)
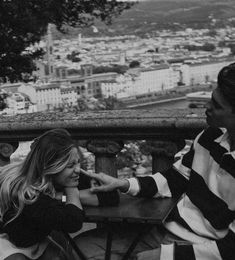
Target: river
point(174, 104)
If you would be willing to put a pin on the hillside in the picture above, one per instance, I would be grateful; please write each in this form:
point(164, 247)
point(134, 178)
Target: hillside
point(148, 16)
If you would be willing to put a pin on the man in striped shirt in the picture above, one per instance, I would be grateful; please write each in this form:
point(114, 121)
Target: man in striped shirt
point(204, 219)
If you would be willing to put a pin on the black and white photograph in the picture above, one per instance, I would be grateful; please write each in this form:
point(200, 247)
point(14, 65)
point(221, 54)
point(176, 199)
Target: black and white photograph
point(117, 129)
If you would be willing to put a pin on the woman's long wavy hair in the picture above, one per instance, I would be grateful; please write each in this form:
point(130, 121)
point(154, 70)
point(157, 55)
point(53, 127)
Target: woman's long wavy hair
point(22, 183)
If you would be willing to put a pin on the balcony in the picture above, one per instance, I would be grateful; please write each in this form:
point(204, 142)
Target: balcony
point(104, 132)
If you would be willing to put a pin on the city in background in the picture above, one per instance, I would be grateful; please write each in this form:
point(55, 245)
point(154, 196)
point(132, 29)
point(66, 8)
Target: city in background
point(157, 54)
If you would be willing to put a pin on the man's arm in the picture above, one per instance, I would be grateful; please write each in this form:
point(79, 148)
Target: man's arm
point(222, 249)
point(107, 183)
point(143, 186)
point(172, 182)
point(155, 185)
point(226, 245)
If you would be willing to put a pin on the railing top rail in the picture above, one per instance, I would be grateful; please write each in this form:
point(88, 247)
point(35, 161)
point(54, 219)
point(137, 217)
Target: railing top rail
point(114, 124)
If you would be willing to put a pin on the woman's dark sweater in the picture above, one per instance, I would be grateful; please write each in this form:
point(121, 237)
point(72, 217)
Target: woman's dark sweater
point(37, 220)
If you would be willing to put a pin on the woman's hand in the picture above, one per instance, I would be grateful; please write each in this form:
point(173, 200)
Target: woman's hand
point(58, 195)
point(107, 183)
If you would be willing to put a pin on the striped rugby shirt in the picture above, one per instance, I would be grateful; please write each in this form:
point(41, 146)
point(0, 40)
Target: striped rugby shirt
point(205, 214)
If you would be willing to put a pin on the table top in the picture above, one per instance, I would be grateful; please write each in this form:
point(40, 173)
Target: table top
point(133, 209)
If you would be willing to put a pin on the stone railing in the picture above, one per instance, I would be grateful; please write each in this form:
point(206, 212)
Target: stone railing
point(104, 132)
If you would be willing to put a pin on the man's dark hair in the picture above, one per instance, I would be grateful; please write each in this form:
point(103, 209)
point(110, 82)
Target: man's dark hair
point(226, 83)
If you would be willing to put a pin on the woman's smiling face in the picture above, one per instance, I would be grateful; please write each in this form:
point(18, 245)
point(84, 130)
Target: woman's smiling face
point(69, 177)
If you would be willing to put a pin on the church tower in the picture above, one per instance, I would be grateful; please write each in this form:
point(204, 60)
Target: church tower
point(49, 53)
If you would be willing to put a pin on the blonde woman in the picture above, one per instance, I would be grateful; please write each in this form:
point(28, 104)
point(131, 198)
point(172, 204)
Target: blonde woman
point(40, 195)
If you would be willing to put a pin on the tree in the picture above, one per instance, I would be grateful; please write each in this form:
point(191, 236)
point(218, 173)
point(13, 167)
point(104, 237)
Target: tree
point(3, 102)
point(232, 48)
point(208, 47)
point(212, 33)
point(205, 47)
point(134, 64)
point(120, 69)
point(24, 22)
point(74, 56)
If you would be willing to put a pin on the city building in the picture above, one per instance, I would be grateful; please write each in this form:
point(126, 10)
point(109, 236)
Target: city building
point(68, 96)
point(202, 72)
point(19, 103)
point(48, 96)
point(138, 81)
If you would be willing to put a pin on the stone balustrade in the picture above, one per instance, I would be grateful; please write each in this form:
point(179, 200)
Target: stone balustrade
point(104, 132)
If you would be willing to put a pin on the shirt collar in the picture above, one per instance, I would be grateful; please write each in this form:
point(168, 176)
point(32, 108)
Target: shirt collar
point(223, 140)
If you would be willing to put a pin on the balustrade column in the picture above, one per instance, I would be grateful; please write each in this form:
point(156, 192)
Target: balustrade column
point(105, 152)
point(162, 152)
point(6, 150)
